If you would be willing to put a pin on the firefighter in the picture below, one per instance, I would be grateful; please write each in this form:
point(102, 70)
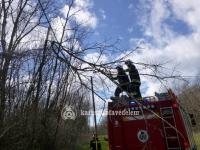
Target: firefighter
point(123, 81)
point(135, 79)
point(192, 119)
point(93, 144)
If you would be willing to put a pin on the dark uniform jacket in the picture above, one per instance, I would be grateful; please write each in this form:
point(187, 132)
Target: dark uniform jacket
point(93, 145)
point(134, 75)
point(122, 78)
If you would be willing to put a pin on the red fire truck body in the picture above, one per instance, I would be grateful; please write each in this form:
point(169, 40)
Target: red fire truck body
point(149, 125)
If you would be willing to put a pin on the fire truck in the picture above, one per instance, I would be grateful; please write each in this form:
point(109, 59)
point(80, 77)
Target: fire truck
point(154, 123)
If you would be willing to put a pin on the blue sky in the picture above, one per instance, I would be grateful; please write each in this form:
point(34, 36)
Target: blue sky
point(168, 30)
point(119, 19)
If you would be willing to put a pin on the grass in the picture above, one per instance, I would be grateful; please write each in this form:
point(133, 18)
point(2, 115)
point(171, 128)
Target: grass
point(104, 144)
point(197, 140)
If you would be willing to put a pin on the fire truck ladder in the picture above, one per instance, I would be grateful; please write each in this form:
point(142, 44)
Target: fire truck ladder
point(170, 132)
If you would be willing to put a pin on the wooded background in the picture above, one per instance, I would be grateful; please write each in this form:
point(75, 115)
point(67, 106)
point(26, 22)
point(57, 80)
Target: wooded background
point(42, 68)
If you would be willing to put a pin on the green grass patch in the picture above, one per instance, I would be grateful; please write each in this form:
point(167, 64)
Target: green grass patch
point(83, 147)
point(197, 140)
point(104, 144)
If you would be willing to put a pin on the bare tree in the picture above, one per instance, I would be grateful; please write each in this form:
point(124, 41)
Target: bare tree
point(42, 70)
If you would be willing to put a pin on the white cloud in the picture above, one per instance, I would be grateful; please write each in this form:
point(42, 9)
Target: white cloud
point(182, 51)
point(83, 3)
point(130, 6)
point(134, 42)
point(101, 83)
point(81, 12)
point(58, 24)
point(34, 39)
point(152, 86)
point(188, 11)
point(95, 58)
point(130, 30)
point(103, 14)
point(153, 21)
